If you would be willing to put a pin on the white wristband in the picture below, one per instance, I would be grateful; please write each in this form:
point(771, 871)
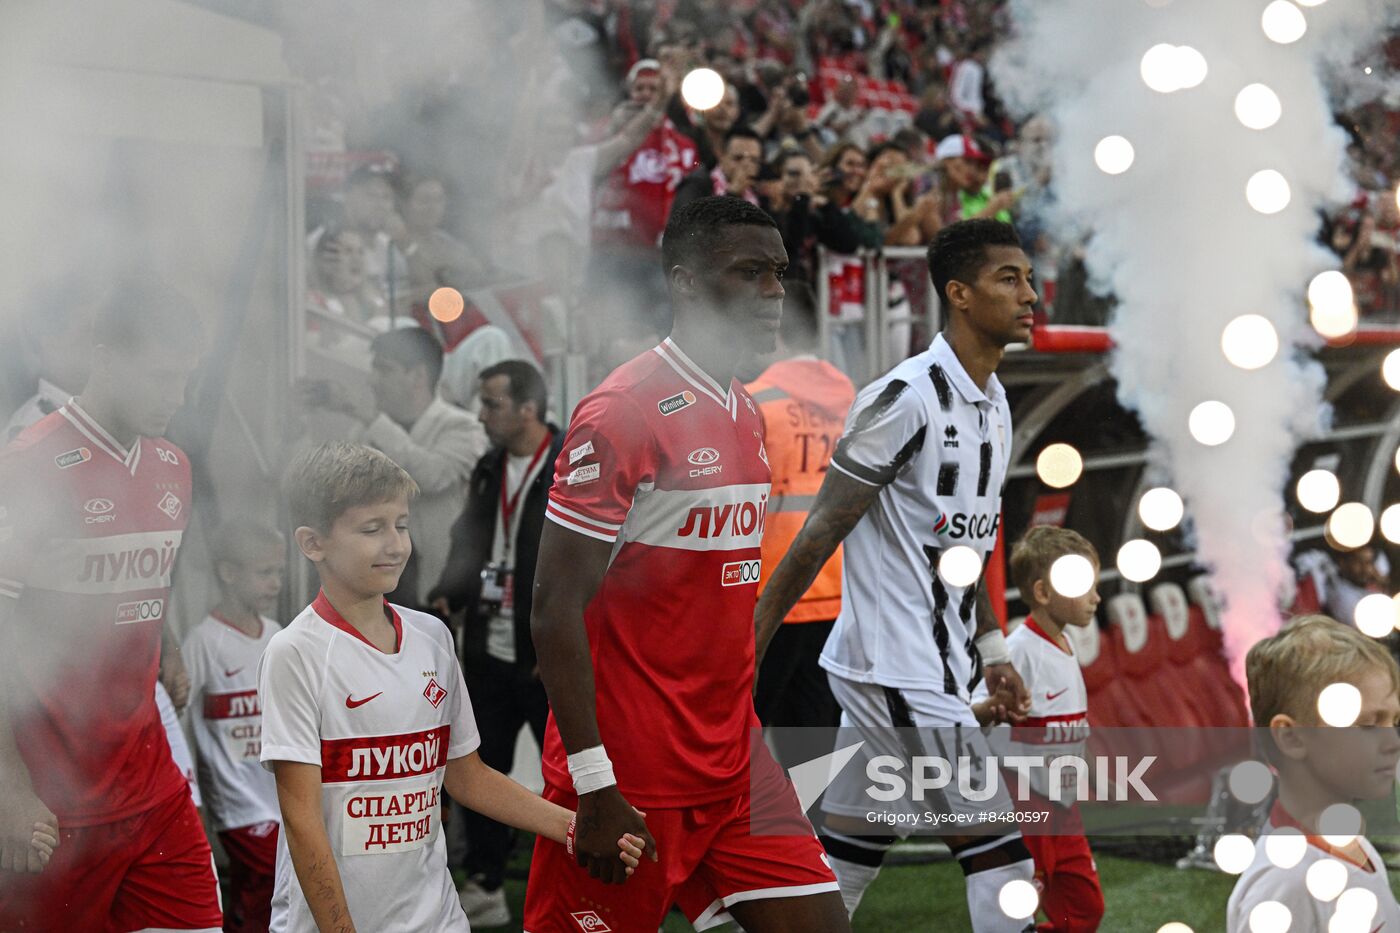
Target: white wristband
point(992, 648)
point(591, 770)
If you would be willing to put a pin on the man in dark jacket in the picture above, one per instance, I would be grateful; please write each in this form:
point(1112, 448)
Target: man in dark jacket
point(490, 577)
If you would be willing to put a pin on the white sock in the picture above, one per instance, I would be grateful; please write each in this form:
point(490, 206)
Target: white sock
point(984, 891)
point(854, 879)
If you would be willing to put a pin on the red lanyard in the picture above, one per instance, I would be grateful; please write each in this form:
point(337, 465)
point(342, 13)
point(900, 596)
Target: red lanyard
point(508, 506)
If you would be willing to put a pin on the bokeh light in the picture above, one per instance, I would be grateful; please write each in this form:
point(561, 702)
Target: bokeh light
point(1374, 615)
point(1339, 704)
point(1285, 847)
point(1339, 824)
point(446, 304)
point(1249, 341)
point(1175, 926)
point(1211, 423)
point(1071, 576)
point(1257, 106)
point(1356, 908)
point(1113, 155)
point(1270, 917)
point(1319, 490)
point(1233, 853)
point(1283, 22)
point(1159, 68)
point(1331, 304)
point(1018, 899)
point(1267, 191)
point(1161, 508)
point(1351, 525)
point(1167, 68)
point(1390, 523)
point(1139, 560)
point(1250, 781)
point(1059, 465)
point(702, 88)
point(960, 566)
point(1326, 878)
point(1390, 369)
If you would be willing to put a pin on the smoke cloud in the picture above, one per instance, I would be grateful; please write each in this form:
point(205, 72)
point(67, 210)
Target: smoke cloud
point(1175, 241)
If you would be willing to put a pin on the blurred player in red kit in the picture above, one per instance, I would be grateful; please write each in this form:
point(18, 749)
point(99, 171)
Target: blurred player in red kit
point(643, 619)
point(93, 504)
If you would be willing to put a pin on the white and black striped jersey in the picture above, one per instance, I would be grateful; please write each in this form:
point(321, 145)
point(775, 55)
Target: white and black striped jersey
point(939, 446)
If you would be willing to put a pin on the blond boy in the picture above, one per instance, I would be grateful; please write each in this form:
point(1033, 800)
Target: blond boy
point(366, 717)
point(1058, 720)
point(1319, 766)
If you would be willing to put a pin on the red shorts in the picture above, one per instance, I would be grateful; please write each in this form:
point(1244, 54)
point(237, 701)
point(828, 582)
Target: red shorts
point(252, 855)
point(1070, 895)
point(153, 869)
point(709, 860)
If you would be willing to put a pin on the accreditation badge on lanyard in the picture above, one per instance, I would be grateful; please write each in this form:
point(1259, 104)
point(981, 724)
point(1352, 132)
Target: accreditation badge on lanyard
point(498, 579)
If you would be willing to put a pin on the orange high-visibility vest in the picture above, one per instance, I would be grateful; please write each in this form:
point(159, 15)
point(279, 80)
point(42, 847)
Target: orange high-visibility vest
point(804, 403)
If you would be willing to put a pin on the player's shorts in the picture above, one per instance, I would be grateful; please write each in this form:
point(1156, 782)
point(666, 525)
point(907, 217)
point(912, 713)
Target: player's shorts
point(904, 724)
point(252, 855)
point(153, 870)
point(709, 861)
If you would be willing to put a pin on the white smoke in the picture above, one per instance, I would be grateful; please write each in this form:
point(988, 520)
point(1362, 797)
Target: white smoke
point(1176, 242)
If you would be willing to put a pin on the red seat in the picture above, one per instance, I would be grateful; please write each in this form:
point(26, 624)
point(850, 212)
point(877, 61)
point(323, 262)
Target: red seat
point(1206, 621)
point(1157, 702)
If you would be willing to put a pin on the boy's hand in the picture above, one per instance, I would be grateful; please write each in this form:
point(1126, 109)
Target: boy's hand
point(632, 848)
point(1003, 680)
point(604, 816)
point(28, 830)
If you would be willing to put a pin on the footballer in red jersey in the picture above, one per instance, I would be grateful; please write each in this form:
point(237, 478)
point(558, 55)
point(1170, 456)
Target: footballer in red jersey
point(643, 618)
point(93, 506)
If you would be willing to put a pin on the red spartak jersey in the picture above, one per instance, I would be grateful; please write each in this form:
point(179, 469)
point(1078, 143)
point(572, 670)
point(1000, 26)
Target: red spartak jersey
point(670, 467)
point(89, 531)
point(635, 201)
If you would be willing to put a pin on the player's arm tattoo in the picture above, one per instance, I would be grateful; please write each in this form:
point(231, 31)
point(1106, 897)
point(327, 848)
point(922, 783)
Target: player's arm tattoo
point(986, 616)
point(841, 502)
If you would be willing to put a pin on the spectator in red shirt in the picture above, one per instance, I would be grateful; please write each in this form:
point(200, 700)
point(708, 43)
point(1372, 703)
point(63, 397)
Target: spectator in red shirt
point(632, 207)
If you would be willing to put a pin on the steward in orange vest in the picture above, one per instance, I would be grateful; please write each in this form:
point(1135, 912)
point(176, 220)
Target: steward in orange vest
point(804, 402)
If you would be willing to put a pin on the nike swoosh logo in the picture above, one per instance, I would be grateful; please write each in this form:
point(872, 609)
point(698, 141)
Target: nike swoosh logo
point(351, 704)
point(1051, 696)
point(232, 672)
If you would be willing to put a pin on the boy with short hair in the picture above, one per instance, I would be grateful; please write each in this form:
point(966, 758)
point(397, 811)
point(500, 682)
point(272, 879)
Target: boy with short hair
point(222, 654)
point(1056, 722)
point(366, 717)
point(1319, 766)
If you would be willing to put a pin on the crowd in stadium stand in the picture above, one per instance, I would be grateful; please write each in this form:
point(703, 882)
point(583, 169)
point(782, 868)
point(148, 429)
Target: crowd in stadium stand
point(891, 102)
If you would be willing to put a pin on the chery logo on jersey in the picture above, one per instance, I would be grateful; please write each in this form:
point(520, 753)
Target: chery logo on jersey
point(976, 525)
point(98, 511)
point(740, 572)
point(669, 406)
point(706, 460)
